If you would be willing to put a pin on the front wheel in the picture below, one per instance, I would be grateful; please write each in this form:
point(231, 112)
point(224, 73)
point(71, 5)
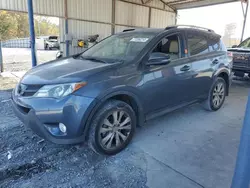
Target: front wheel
point(216, 96)
point(113, 128)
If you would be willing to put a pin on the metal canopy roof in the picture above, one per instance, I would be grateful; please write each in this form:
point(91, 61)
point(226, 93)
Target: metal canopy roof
point(184, 4)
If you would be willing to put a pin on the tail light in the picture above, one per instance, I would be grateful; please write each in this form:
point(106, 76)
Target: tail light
point(230, 58)
point(230, 54)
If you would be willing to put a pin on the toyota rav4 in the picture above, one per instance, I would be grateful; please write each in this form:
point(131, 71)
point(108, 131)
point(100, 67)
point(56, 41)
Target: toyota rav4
point(102, 94)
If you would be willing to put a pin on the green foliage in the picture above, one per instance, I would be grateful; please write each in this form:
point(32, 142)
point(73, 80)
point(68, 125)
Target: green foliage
point(15, 25)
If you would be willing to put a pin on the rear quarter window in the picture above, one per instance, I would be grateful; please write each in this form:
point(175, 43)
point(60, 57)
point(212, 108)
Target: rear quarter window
point(197, 44)
point(222, 46)
point(214, 43)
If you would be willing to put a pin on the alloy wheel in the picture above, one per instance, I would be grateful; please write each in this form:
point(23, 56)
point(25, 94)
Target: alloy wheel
point(115, 130)
point(218, 94)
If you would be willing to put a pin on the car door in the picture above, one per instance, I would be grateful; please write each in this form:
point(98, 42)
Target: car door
point(167, 85)
point(202, 61)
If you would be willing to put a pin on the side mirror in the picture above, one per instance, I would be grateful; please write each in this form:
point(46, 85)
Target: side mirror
point(234, 46)
point(158, 58)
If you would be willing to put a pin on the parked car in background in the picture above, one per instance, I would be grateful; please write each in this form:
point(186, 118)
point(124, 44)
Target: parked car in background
point(51, 42)
point(241, 58)
point(102, 94)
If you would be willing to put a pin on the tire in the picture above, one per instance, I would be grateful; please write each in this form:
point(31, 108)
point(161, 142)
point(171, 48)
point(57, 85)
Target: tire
point(107, 136)
point(210, 103)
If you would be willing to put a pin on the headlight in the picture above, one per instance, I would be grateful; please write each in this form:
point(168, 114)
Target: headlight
point(58, 91)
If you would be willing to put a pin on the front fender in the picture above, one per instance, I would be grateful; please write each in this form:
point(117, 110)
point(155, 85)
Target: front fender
point(110, 93)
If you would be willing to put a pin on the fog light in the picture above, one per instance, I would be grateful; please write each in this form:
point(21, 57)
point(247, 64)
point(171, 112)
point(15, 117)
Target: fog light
point(62, 127)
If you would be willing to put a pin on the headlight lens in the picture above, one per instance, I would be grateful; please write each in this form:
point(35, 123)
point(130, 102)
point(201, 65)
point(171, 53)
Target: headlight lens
point(58, 91)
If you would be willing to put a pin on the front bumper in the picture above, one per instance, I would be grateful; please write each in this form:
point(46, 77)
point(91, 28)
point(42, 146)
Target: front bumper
point(43, 116)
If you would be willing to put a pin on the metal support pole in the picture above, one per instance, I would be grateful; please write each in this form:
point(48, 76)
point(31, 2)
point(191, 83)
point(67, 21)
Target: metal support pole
point(245, 19)
point(66, 34)
point(66, 28)
point(113, 17)
point(241, 177)
point(1, 58)
point(32, 32)
point(149, 17)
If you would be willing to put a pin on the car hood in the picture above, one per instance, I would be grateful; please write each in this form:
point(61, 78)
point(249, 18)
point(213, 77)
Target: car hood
point(64, 71)
point(247, 50)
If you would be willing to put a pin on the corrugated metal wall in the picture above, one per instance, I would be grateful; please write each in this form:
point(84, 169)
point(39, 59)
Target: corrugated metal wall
point(89, 17)
point(131, 15)
point(43, 7)
point(127, 15)
point(160, 18)
point(95, 10)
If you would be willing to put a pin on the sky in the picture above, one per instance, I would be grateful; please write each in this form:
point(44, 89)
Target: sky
point(216, 17)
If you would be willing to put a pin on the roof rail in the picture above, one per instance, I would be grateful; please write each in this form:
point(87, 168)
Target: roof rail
point(189, 26)
point(125, 30)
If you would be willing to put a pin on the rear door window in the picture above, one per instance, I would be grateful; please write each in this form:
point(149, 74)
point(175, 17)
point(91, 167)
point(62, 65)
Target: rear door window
point(197, 44)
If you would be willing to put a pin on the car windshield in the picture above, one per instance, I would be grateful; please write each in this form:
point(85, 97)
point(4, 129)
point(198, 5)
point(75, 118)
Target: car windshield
point(245, 44)
point(124, 46)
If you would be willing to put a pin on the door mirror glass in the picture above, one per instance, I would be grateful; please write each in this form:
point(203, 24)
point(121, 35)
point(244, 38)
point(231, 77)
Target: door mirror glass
point(158, 58)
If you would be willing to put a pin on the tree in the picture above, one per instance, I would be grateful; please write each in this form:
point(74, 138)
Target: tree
point(8, 26)
point(15, 25)
point(229, 32)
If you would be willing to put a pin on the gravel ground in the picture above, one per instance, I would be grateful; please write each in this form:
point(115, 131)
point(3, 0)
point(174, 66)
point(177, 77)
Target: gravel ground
point(29, 161)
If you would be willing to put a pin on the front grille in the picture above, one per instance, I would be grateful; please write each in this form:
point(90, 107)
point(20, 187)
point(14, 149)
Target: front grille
point(27, 90)
point(241, 60)
point(240, 64)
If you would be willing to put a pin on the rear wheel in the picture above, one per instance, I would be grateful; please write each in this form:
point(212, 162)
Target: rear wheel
point(113, 128)
point(216, 96)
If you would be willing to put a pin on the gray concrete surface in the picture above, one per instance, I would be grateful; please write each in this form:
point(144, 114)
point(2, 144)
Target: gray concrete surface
point(19, 59)
point(187, 148)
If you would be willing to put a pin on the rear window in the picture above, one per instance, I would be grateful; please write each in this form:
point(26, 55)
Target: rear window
point(197, 44)
point(53, 38)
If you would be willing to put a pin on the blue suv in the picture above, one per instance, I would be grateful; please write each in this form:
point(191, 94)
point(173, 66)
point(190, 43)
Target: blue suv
point(101, 95)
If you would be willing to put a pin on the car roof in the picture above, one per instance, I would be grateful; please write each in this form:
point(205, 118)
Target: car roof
point(165, 30)
point(142, 30)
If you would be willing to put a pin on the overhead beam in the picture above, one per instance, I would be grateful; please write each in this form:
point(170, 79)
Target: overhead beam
point(184, 4)
point(134, 3)
point(173, 8)
point(145, 2)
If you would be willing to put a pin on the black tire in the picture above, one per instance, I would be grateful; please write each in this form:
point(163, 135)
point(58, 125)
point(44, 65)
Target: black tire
point(96, 140)
point(209, 103)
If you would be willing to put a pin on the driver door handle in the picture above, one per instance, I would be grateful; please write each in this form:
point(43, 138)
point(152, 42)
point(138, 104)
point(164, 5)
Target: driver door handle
point(216, 61)
point(185, 68)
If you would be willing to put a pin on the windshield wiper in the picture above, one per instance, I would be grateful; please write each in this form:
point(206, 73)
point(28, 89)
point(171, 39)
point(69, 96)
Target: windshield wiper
point(93, 59)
